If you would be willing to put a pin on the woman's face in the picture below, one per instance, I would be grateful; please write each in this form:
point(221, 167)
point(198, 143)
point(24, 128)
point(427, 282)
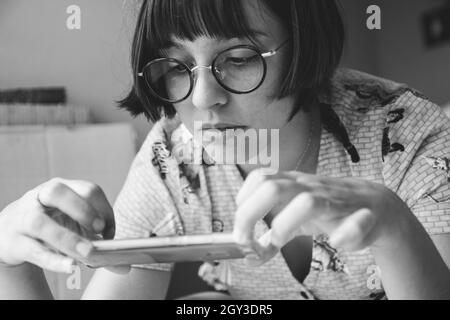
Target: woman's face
point(215, 106)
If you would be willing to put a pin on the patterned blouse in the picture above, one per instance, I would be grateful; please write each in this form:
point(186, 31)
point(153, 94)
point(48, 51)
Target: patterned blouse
point(372, 129)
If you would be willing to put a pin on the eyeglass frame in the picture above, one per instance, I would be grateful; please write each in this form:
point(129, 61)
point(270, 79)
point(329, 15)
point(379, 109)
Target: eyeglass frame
point(264, 55)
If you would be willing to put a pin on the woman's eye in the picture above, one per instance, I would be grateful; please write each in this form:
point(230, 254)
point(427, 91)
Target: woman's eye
point(177, 69)
point(239, 60)
point(242, 61)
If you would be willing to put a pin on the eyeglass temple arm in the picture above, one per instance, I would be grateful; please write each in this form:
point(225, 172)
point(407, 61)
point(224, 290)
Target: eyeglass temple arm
point(273, 52)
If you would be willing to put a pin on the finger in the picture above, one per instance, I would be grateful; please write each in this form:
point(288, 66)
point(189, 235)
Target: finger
point(303, 208)
point(65, 221)
point(259, 203)
point(255, 179)
point(352, 233)
point(36, 253)
point(44, 228)
point(56, 194)
point(300, 215)
point(95, 196)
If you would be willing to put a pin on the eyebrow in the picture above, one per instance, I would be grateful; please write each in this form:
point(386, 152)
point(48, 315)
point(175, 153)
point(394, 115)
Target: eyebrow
point(260, 33)
point(179, 46)
point(173, 45)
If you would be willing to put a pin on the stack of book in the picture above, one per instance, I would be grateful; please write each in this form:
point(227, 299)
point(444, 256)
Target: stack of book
point(35, 114)
point(53, 95)
point(39, 106)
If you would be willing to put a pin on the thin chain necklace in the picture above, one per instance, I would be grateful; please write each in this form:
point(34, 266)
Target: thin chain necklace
point(308, 145)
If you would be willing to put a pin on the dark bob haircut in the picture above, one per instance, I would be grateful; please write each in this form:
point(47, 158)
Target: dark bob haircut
point(315, 29)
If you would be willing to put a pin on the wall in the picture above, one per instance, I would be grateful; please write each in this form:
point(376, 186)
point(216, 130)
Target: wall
point(402, 55)
point(397, 51)
point(36, 49)
point(360, 47)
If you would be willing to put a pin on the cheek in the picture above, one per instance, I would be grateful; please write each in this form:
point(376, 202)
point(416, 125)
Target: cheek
point(276, 73)
point(274, 112)
point(261, 110)
point(269, 107)
point(186, 114)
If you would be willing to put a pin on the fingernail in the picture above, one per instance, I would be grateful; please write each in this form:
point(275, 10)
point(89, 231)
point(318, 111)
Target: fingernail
point(252, 256)
point(336, 240)
point(83, 248)
point(253, 260)
point(98, 224)
point(67, 265)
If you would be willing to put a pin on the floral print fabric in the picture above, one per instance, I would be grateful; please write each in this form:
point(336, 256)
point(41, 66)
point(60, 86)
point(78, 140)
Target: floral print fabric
point(373, 129)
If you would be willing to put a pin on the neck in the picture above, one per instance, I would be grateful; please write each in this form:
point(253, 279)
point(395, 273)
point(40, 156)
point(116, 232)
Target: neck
point(294, 140)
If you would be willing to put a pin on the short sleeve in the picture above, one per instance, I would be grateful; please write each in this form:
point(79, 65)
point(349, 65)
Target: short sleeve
point(144, 207)
point(418, 167)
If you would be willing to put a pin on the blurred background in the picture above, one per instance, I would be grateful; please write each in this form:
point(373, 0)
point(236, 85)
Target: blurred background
point(75, 129)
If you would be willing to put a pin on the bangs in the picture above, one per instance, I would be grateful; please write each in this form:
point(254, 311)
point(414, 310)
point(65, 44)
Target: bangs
point(189, 19)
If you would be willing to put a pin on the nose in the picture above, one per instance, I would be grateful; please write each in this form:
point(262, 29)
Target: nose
point(207, 92)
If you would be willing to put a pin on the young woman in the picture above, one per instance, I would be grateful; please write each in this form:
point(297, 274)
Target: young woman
point(360, 205)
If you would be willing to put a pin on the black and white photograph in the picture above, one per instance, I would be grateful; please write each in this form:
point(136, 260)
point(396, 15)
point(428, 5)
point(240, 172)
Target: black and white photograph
point(254, 150)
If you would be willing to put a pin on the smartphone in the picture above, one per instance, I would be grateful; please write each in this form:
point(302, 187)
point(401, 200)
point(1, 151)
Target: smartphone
point(207, 247)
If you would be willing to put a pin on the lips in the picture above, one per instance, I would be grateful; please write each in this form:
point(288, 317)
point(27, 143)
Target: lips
point(222, 126)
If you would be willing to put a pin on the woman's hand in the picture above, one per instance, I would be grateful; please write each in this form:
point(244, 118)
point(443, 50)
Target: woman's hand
point(51, 225)
point(354, 213)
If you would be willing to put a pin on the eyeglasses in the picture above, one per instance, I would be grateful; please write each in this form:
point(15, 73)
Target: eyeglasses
point(240, 69)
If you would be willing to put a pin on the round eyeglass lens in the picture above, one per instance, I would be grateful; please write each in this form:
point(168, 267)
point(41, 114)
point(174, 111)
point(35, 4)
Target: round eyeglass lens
point(168, 79)
point(240, 69)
